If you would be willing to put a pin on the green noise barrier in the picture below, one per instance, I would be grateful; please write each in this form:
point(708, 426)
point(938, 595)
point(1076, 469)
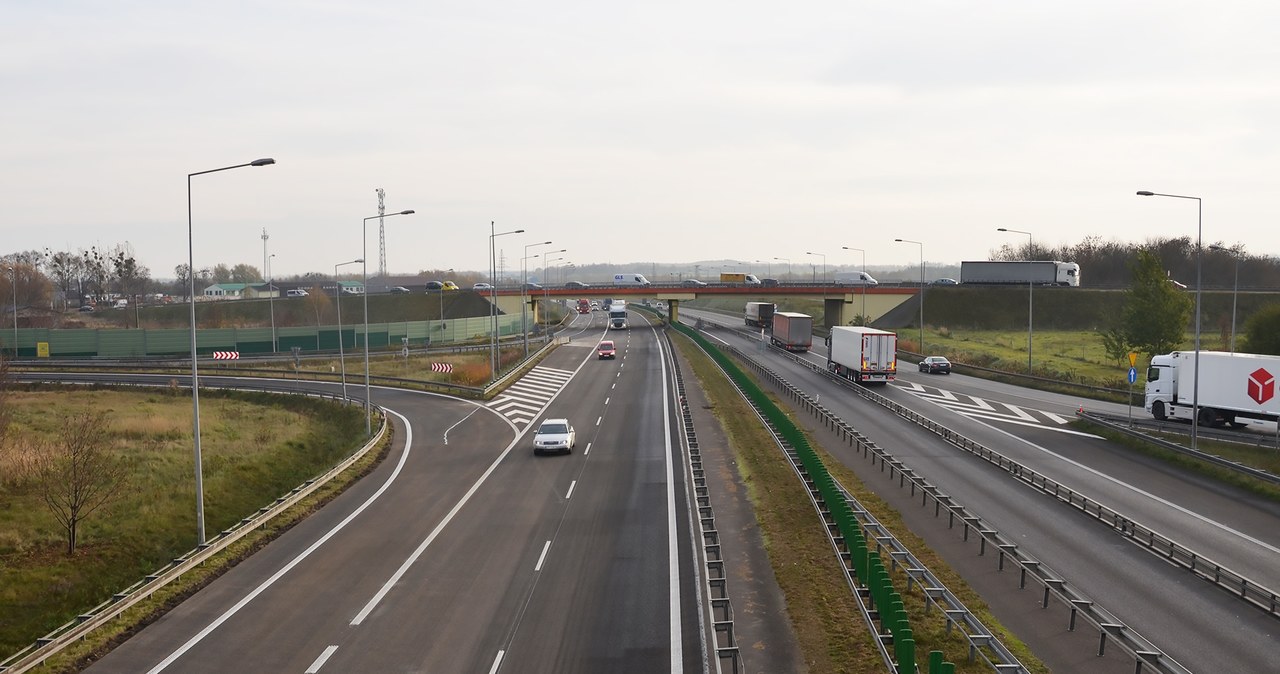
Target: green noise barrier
point(868, 570)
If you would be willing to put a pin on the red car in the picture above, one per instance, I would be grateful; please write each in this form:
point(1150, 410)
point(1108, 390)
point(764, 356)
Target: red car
point(605, 350)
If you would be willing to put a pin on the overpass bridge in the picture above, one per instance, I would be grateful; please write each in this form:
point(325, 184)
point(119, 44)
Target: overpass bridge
point(841, 303)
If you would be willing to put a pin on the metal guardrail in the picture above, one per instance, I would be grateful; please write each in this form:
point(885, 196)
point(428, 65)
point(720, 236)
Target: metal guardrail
point(1112, 423)
point(728, 654)
point(1109, 627)
point(52, 643)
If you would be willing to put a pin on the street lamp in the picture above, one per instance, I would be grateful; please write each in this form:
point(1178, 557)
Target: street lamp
point(921, 245)
point(341, 357)
point(863, 270)
point(1030, 290)
point(1195, 387)
point(546, 281)
point(14, 269)
point(524, 303)
point(1235, 289)
point(493, 299)
point(824, 265)
point(271, 304)
point(788, 261)
point(195, 375)
point(364, 290)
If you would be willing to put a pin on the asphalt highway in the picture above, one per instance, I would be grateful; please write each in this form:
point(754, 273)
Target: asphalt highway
point(1202, 627)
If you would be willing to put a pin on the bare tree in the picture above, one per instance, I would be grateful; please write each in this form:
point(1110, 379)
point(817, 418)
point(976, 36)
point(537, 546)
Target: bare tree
point(76, 473)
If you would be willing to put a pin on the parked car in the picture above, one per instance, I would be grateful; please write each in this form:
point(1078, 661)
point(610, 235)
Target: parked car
point(482, 286)
point(606, 350)
point(693, 283)
point(935, 365)
point(434, 285)
point(944, 282)
point(86, 309)
point(399, 290)
point(296, 292)
point(554, 435)
point(450, 285)
point(576, 284)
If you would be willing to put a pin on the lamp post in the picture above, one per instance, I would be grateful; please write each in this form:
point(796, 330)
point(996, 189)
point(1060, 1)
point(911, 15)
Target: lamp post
point(863, 270)
point(546, 281)
point(1030, 290)
point(824, 265)
point(271, 304)
point(341, 357)
point(1195, 388)
point(921, 245)
point(493, 299)
point(195, 375)
point(1235, 288)
point(524, 303)
point(364, 288)
point(788, 261)
point(14, 270)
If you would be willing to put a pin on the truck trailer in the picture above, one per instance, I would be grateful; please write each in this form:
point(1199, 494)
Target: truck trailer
point(862, 354)
point(1034, 272)
point(1233, 386)
point(760, 314)
point(792, 331)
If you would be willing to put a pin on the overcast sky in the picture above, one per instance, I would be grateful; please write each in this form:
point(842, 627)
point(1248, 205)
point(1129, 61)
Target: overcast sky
point(631, 133)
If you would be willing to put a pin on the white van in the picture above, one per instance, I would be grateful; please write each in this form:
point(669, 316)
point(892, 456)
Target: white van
point(296, 292)
point(122, 304)
point(630, 280)
point(855, 278)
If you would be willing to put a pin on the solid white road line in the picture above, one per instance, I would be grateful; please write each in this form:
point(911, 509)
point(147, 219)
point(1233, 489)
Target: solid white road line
point(324, 657)
point(404, 456)
point(673, 557)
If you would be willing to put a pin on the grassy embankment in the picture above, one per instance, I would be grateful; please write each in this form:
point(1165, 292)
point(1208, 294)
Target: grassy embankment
point(255, 447)
point(822, 610)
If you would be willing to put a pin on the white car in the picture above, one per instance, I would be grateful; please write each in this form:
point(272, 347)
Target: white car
point(482, 286)
point(554, 435)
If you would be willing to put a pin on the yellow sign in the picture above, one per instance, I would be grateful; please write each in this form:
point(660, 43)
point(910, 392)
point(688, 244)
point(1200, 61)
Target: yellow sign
point(42, 349)
point(1133, 359)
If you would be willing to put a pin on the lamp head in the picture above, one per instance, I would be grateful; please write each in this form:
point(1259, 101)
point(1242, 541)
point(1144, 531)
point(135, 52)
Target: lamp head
point(1145, 193)
point(898, 240)
point(408, 212)
point(262, 162)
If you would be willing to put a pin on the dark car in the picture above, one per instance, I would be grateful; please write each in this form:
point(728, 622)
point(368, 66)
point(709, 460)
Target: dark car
point(86, 309)
point(935, 365)
point(576, 284)
point(944, 282)
point(693, 283)
point(435, 285)
point(532, 286)
point(769, 282)
point(399, 290)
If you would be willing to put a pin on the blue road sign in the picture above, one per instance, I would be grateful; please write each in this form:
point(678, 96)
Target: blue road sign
point(1133, 374)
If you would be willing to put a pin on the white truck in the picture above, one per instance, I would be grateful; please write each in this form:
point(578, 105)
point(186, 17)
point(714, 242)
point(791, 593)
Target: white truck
point(792, 331)
point(862, 354)
point(1233, 386)
point(630, 280)
point(759, 314)
point(618, 315)
point(1037, 272)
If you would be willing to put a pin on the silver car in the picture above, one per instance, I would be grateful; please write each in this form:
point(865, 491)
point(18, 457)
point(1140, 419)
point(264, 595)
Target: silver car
point(554, 435)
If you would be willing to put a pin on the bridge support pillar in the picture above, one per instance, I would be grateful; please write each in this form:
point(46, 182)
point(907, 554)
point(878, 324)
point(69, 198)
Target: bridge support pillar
point(832, 312)
point(674, 305)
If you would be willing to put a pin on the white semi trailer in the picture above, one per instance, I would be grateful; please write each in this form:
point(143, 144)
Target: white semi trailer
point(1233, 386)
point(862, 354)
point(1036, 272)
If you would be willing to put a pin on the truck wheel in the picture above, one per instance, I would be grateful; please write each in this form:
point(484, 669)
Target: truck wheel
point(1208, 417)
point(1157, 410)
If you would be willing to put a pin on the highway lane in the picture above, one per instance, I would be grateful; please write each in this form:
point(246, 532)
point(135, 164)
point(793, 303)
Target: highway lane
point(1200, 626)
point(471, 554)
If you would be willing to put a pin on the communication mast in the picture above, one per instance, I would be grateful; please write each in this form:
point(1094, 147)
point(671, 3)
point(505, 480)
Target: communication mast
point(382, 238)
point(264, 253)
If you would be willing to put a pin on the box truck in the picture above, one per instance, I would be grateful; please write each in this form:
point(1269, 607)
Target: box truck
point(584, 306)
point(792, 331)
point(736, 277)
point(1233, 386)
point(862, 354)
point(760, 314)
point(1034, 272)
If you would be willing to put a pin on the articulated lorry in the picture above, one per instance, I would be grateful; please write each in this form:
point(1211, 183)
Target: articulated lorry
point(1035, 272)
point(618, 315)
point(1233, 386)
point(792, 331)
point(862, 354)
point(584, 306)
point(760, 314)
